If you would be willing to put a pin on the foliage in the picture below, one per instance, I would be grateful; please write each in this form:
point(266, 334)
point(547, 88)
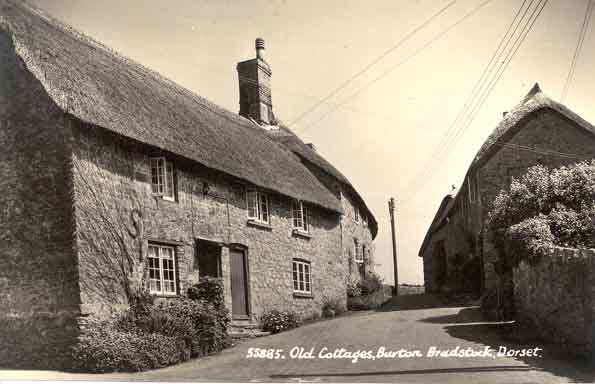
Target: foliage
point(353, 289)
point(209, 289)
point(370, 284)
point(103, 347)
point(332, 307)
point(141, 301)
point(546, 207)
point(151, 336)
point(278, 321)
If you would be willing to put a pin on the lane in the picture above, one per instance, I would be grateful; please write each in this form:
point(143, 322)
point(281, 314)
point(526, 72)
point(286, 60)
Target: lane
point(409, 329)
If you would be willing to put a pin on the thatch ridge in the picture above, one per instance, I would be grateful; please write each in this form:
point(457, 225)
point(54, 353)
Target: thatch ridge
point(534, 101)
point(98, 86)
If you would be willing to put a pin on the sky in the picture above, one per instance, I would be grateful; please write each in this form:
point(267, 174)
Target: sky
point(382, 137)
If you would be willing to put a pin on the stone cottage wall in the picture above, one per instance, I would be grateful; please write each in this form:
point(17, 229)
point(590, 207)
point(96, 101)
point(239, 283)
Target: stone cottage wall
point(38, 279)
point(117, 170)
point(351, 229)
point(547, 130)
point(553, 293)
point(354, 230)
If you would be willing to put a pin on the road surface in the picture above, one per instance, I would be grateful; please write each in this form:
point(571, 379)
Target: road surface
point(409, 324)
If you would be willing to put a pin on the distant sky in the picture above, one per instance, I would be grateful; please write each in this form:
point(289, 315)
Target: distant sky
point(381, 138)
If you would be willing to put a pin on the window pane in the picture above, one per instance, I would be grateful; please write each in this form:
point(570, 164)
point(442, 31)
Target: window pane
point(251, 197)
point(296, 214)
point(264, 207)
point(305, 218)
point(158, 175)
point(169, 191)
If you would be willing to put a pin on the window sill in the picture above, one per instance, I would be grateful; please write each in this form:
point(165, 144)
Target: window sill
point(259, 224)
point(165, 295)
point(300, 233)
point(167, 199)
point(302, 295)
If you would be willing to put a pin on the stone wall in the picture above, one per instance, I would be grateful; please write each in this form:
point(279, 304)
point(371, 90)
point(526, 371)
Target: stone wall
point(553, 295)
point(351, 229)
point(547, 130)
point(118, 172)
point(38, 278)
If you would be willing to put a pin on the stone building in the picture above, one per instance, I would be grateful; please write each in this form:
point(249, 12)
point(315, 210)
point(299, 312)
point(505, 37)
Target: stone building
point(107, 165)
point(457, 251)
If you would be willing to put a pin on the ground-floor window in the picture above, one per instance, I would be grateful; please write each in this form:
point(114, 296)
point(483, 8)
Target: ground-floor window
point(162, 269)
point(301, 277)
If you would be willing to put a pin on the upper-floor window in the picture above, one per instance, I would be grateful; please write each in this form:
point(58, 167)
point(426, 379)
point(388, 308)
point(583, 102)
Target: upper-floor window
point(299, 215)
point(301, 277)
point(162, 269)
point(356, 215)
point(258, 205)
point(162, 178)
point(359, 258)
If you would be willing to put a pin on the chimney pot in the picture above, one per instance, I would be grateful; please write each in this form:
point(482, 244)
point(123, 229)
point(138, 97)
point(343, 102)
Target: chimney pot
point(259, 44)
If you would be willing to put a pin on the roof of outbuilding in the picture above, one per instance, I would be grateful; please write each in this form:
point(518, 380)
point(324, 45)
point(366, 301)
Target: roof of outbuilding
point(96, 85)
point(513, 121)
point(534, 101)
point(286, 137)
point(445, 205)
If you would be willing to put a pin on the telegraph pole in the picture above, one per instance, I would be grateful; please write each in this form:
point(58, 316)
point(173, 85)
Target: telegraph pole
point(391, 211)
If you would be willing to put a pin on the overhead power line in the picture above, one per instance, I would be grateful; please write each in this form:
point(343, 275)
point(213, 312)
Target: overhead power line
point(487, 71)
point(385, 73)
point(578, 48)
point(372, 63)
point(478, 98)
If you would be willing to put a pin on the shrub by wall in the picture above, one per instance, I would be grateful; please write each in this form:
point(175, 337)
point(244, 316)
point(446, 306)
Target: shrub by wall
point(278, 321)
point(148, 336)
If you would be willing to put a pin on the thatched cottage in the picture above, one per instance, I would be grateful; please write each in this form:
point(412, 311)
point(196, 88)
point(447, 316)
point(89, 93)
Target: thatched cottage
point(107, 166)
point(457, 252)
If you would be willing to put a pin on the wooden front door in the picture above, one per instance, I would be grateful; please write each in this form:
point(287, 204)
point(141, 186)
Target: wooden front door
point(239, 284)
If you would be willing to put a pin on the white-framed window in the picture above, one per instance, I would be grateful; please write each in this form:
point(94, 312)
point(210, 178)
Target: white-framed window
point(359, 258)
point(162, 178)
point(162, 269)
point(299, 215)
point(302, 282)
point(258, 205)
point(356, 215)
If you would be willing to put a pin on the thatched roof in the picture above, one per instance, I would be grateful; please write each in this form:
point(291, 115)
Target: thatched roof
point(291, 141)
point(511, 124)
point(513, 121)
point(99, 87)
point(445, 206)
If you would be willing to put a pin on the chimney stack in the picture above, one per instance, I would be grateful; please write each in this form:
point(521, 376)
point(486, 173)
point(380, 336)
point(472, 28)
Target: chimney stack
point(255, 87)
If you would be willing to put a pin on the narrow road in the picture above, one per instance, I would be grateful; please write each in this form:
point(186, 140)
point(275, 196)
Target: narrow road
point(405, 324)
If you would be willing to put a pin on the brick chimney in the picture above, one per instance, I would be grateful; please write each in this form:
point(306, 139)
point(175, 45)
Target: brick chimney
point(255, 87)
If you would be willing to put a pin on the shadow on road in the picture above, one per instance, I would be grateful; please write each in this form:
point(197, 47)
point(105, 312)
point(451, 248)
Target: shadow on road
point(412, 302)
point(496, 368)
point(465, 315)
point(464, 326)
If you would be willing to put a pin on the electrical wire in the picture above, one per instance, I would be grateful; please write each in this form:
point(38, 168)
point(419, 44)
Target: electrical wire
point(578, 48)
point(371, 64)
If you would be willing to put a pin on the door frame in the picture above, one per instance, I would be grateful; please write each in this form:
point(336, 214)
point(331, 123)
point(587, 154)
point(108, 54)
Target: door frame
point(244, 249)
